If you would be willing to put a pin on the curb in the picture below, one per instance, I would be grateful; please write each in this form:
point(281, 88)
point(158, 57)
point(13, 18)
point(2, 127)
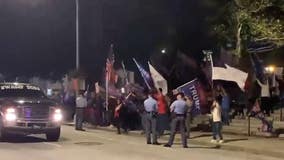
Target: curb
point(199, 142)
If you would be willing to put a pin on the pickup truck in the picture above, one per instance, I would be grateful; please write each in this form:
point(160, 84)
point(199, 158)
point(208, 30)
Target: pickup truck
point(24, 109)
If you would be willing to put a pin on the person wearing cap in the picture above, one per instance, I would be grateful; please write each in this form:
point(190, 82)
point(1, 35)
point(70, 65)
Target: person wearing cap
point(178, 109)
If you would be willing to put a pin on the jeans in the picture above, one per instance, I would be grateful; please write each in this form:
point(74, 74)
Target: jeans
point(162, 123)
point(143, 121)
point(216, 128)
point(187, 124)
point(118, 123)
point(79, 118)
point(225, 117)
point(181, 121)
point(151, 127)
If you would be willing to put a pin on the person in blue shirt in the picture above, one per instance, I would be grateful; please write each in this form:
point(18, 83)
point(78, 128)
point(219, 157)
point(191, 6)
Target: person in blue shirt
point(225, 104)
point(178, 109)
point(151, 109)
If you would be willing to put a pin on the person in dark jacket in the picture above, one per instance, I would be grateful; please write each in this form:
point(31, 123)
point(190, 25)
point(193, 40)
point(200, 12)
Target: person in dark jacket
point(117, 117)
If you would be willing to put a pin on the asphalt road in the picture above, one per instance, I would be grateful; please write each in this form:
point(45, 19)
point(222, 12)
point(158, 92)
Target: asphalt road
point(97, 144)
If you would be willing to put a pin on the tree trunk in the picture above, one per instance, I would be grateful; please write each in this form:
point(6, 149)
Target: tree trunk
point(239, 42)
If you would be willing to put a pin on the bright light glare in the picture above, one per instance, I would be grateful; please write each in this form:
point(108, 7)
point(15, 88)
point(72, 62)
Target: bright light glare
point(122, 90)
point(57, 117)
point(270, 69)
point(10, 116)
point(10, 110)
point(57, 111)
point(21, 101)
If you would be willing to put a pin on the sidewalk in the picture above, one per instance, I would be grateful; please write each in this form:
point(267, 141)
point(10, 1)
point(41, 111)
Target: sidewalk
point(273, 147)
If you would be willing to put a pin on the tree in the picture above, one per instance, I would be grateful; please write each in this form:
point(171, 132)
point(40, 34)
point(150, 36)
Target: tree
point(245, 21)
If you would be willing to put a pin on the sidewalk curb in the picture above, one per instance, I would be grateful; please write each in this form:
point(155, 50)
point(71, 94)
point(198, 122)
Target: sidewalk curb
point(199, 142)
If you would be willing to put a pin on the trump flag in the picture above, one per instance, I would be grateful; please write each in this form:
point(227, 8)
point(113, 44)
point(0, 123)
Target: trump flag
point(195, 90)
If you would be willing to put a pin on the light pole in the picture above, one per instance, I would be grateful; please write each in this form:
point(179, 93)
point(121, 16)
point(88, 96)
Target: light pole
point(77, 35)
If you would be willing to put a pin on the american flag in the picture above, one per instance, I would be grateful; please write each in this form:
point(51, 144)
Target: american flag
point(110, 72)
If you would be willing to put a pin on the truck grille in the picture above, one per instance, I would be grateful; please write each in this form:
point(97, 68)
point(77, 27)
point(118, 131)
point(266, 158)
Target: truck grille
point(35, 112)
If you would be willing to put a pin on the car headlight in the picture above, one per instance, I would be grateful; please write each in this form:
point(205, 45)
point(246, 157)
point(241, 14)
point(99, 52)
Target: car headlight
point(10, 114)
point(57, 116)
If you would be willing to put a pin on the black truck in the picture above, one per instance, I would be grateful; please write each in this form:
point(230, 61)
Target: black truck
point(24, 109)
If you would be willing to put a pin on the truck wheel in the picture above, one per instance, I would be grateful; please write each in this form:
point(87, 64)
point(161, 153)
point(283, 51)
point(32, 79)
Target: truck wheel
point(53, 135)
point(3, 135)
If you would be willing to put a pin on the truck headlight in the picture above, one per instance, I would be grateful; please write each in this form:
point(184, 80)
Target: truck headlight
point(10, 114)
point(57, 116)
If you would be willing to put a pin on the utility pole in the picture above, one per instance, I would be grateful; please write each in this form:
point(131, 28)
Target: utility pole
point(77, 36)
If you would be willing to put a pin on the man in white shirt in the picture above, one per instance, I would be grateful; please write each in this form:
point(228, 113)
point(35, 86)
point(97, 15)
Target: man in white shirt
point(81, 104)
point(216, 112)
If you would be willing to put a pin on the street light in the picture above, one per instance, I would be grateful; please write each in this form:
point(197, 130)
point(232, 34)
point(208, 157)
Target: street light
point(270, 69)
point(77, 35)
point(163, 51)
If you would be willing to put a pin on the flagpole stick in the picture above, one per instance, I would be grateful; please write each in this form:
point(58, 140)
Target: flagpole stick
point(212, 70)
point(125, 73)
point(107, 90)
point(248, 125)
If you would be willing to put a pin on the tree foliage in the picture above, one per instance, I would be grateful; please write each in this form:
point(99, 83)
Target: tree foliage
point(244, 21)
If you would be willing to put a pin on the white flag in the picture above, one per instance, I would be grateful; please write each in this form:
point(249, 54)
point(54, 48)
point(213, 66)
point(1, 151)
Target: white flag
point(230, 74)
point(159, 80)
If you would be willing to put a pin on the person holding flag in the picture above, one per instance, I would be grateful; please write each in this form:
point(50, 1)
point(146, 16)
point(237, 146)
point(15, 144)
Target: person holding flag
point(162, 112)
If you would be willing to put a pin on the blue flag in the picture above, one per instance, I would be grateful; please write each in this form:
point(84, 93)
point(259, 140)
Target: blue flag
point(258, 67)
point(145, 75)
point(195, 90)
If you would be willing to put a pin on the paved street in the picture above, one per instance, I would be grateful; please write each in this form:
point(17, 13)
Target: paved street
point(97, 144)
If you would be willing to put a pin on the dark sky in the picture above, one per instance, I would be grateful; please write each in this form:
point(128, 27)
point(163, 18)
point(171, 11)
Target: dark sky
point(38, 36)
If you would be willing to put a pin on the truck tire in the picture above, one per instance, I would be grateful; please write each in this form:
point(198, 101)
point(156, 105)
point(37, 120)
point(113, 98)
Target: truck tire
point(53, 135)
point(3, 133)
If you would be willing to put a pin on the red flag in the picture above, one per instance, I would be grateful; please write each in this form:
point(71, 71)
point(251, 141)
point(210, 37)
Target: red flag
point(111, 76)
point(75, 84)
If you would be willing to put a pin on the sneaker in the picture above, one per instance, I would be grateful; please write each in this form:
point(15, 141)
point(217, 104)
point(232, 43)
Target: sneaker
point(185, 146)
point(167, 145)
point(156, 143)
point(221, 141)
point(213, 141)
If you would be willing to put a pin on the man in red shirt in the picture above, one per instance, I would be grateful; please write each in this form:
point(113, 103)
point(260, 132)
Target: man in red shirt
point(163, 119)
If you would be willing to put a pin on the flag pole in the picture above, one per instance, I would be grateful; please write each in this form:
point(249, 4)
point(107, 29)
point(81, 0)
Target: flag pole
point(212, 69)
point(107, 96)
point(124, 71)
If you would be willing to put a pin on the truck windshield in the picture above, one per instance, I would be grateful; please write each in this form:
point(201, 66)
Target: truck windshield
point(20, 91)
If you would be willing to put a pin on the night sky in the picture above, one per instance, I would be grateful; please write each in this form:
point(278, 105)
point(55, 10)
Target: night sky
point(38, 36)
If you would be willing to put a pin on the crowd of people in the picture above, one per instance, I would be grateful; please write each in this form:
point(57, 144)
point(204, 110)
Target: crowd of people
point(154, 113)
